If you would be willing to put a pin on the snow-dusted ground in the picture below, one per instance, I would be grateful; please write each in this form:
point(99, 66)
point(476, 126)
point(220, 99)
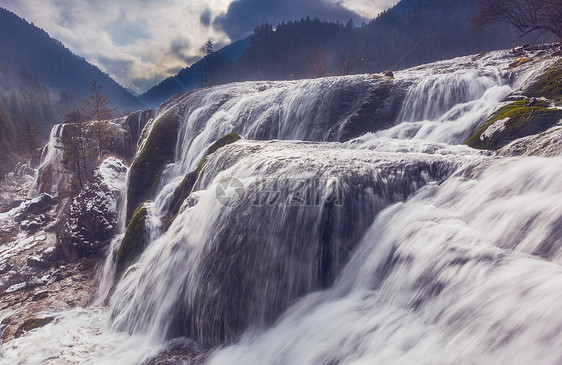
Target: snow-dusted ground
point(33, 280)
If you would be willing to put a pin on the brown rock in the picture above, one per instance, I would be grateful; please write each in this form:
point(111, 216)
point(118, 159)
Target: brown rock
point(388, 73)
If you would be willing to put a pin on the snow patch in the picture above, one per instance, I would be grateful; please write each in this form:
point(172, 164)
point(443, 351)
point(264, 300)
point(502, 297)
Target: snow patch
point(497, 126)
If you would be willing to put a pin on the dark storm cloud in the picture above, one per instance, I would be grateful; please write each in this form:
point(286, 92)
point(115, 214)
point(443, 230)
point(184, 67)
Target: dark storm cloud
point(205, 17)
point(179, 46)
point(243, 15)
point(116, 66)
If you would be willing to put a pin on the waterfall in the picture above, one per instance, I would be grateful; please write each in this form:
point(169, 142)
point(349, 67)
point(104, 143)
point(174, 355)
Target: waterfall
point(465, 271)
point(287, 236)
point(220, 271)
point(349, 225)
point(50, 176)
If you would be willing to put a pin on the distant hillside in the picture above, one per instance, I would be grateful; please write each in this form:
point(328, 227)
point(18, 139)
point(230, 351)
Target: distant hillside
point(411, 33)
point(41, 81)
point(215, 66)
point(24, 45)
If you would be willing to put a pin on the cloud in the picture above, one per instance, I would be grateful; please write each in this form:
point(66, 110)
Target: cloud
point(140, 42)
point(205, 17)
point(131, 40)
point(368, 8)
point(243, 15)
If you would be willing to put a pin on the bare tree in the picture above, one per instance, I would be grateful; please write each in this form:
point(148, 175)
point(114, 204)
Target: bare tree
point(318, 63)
point(347, 65)
point(94, 108)
point(528, 16)
point(78, 153)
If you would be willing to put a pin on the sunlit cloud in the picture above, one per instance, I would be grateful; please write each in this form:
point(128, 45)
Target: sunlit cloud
point(140, 42)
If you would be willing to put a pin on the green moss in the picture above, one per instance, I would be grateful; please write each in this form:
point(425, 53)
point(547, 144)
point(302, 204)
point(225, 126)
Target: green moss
point(133, 243)
point(148, 166)
point(524, 118)
point(223, 141)
point(33, 323)
point(200, 165)
point(183, 191)
point(549, 84)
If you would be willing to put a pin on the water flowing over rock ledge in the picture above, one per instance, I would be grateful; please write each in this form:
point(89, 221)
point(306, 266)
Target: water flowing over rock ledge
point(348, 219)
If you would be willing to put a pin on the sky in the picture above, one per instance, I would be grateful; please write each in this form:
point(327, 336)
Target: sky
point(141, 42)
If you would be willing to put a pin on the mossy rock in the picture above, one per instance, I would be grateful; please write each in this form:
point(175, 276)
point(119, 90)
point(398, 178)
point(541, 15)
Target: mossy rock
point(134, 241)
point(183, 191)
point(519, 119)
point(31, 324)
point(148, 166)
point(549, 84)
point(223, 141)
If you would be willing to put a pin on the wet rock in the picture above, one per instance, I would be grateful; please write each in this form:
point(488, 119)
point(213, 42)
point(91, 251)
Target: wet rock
point(180, 351)
point(513, 121)
point(40, 296)
point(41, 204)
point(33, 323)
point(548, 84)
point(43, 260)
point(35, 224)
point(136, 122)
point(186, 186)
point(4, 268)
point(546, 144)
point(388, 73)
point(16, 203)
point(519, 61)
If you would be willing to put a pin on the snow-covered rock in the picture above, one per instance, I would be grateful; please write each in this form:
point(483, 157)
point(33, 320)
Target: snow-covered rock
point(93, 217)
point(547, 144)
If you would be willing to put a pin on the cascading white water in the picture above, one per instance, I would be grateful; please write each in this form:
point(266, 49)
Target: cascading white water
point(304, 223)
point(465, 272)
point(50, 176)
point(436, 253)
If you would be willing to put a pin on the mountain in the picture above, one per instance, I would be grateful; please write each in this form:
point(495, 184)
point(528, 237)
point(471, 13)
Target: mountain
point(41, 81)
point(191, 78)
point(413, 32)
point(55, 66)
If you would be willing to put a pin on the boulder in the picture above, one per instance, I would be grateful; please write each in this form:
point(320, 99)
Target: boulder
point(41, 204)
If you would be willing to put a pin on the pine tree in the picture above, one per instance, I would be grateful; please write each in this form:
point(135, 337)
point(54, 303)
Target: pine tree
point(95, 109)
point(29, 136)
point(209, 47)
